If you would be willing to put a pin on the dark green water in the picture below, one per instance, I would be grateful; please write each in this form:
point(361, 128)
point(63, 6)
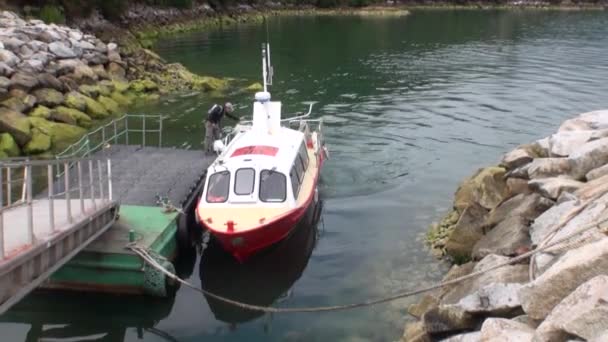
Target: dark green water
point(411, 106)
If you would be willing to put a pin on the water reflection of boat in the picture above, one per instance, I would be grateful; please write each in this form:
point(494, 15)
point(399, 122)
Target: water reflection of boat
point(264, 278)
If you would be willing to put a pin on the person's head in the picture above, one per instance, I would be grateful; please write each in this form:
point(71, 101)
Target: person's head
point(228, 107)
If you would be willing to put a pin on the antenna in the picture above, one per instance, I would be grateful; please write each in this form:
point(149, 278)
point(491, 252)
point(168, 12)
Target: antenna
point(267, 69)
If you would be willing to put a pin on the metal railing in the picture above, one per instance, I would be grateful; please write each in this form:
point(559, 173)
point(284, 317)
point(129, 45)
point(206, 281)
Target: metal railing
point(25, 182)
point(116, 131)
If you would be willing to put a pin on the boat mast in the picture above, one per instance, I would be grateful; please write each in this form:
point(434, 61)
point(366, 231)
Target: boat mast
point(267, 69)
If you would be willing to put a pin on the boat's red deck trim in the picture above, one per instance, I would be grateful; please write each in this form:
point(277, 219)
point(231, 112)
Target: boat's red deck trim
point(263, 150)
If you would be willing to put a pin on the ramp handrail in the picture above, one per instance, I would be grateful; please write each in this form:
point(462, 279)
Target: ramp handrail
point(111, 132)
point(39, 176)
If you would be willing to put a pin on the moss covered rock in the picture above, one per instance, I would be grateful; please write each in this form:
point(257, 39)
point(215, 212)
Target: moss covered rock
point(41, 112)
point(95, 109)
point(9, 146)
point(110, 104)
point(121, 99)
point(95, 90)
point(76, 100)
point(62, 135)
point(16, 124)
point(72, 116)
point(3, 155)
point(120, 86)
point(20, 104)
point(255, 87)
point(40, 142)
point(49, 97)
point(143, 86)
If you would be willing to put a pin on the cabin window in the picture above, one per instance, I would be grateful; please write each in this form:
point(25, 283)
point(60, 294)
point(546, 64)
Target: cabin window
point(272, 186)
point(304, 155)
point(295, 181)
point(218, 187)
point(297, 165)
point(244, 180)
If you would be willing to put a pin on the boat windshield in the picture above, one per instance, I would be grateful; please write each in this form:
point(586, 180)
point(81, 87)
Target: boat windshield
point(218, 187)
point(273, 186)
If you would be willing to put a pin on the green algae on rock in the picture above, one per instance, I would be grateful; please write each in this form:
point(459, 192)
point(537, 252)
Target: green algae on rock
point(95, 109)
point(40, 142)
point(75, 116)
point(62, 135)
point(40, 112)
point(8, 145)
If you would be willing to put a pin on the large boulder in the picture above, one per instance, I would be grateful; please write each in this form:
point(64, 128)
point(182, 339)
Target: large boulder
point(95, 58)
point(507, 274)
point(564, 143)
point(505, 330)
point(570, 271)
point(486, 188)
point(506, 238)
point(20, 104)
point(416, 332)
point(528, 206)
point(49, 97)
point(466, 232)
point(8, 145)
point(32, 66)
point(468, 337)
point(110, 104)
point(23, 81)
point(76, 100)
point(122, 100)
point(95, 109)
point(427, 302)
point(588, 157)
point(62, 50)
point(116, 71)
point(62, 135)
point(84, 74)
point(548, 167)
point(494, 299)
point(548, 221)
point(16, 124)
point(516, 158)
point(583, 313)
point(9, 58)
point(6, 70)
point(49, 36)
point(40, 143)
point(40, 112)
point(446, 319)
point(597, 173)
point(47, 80)
point(71, 116)
point(553, 187)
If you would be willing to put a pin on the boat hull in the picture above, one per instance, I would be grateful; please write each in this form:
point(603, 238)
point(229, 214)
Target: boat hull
point(242, 245)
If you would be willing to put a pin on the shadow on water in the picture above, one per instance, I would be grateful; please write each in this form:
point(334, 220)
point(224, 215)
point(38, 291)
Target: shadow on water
point(263, 280)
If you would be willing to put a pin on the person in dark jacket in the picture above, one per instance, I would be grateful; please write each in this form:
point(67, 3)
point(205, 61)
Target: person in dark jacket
point(212, 124)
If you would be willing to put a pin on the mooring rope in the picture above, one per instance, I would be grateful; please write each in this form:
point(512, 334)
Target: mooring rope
point(146, 256)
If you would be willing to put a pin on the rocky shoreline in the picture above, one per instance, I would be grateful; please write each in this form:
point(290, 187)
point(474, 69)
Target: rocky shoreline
point(56, 82)
point(539, 193)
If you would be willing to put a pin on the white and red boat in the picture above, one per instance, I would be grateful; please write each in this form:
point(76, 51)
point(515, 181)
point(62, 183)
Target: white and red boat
point(265, 179)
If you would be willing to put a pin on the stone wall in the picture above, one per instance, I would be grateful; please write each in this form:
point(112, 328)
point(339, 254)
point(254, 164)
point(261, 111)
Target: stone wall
point(56, 82)
point(539, 193)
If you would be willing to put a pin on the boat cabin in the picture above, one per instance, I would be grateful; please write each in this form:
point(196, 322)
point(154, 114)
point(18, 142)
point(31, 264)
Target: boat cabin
point(263, 170)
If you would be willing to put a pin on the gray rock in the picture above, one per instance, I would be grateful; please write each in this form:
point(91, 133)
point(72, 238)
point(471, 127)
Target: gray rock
point(62, 50)
point(95, 58)
point(548, 167)
point(507, 238)
point(101, 47)
point(528, 206)
point(553, 187)
point(9, 58)
point(37, 46)
point(516, 158)
point(25, 52)
point(583, 313)
point(588, 157)
point(13, 43)
point(101, 72)
point(49, 36)
point(114, 56)
point(597, 173)
point(9, 15)
point(507, 274)
point(577, 266)
point(84, 73)
point(548, 220)
point(492, 299)
point(5, 70)
point(446, 319)
point(596, 119)
point(16, 124)
point(84, 45)
point(49, 81)
point(20, 104)
point(76, 35)
point(468, 337)
point(525, 319)
point(67, 66)
point(564, 143)
point(31, 66)
point(49, 97)
point(593, 189)
point(112, 47)
point(505, 330)
point(23, 81)
point(42, 56)
point(116, 72)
